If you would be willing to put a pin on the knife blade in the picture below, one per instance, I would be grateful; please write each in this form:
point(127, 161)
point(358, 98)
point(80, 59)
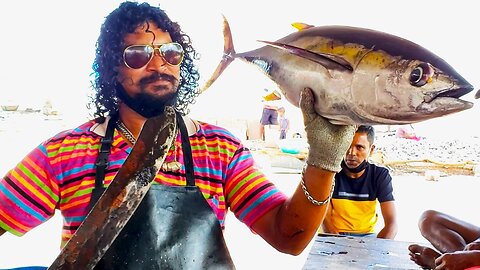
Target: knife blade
point(122, 197)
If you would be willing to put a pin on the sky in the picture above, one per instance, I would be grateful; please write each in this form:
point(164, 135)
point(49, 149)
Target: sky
point(48, 46)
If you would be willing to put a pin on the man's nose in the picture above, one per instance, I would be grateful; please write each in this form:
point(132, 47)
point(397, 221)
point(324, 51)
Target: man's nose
point(157, 59)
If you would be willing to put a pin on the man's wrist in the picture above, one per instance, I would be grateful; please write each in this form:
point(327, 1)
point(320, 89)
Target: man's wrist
point(324, 164)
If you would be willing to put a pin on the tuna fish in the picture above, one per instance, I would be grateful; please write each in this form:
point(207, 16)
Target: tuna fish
point(358, 76)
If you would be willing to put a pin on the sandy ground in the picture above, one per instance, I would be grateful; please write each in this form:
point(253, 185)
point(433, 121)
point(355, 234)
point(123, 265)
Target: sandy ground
point(455, 195)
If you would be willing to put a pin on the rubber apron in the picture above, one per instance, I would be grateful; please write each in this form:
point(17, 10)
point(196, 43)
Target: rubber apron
point(173, 228)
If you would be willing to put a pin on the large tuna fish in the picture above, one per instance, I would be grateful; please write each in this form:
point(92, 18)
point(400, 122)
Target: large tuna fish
point(358, 76)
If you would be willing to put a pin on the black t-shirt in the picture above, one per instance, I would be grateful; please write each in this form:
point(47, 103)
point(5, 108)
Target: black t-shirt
point(354, 201)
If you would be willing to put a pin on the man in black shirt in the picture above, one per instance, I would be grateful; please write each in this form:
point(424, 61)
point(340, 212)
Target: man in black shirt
point(358, 186)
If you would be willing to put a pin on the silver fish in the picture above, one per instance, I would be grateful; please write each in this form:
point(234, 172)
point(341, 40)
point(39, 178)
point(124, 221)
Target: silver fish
point(358, 76)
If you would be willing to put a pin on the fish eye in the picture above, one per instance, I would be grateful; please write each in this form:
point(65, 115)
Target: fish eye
point(421, 74)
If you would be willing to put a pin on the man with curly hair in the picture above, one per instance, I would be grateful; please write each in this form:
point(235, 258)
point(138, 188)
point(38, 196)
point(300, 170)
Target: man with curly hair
point(143, 63)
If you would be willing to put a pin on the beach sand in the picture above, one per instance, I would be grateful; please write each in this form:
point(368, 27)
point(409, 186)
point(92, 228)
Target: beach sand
point(455, 195)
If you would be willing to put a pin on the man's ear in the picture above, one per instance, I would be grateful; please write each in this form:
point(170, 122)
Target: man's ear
point(372, 148)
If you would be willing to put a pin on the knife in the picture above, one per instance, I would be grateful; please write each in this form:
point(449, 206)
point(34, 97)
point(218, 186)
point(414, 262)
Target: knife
point(122, 197)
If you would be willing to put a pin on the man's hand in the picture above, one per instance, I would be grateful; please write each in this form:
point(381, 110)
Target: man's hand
point(328, 142)
point(459, 260)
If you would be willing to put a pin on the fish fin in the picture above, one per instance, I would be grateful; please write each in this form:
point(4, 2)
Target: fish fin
point(301, 26)
point(228, 55)
point(329, 61)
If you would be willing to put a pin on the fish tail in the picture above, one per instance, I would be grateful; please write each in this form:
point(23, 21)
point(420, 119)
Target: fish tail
point(228, 55)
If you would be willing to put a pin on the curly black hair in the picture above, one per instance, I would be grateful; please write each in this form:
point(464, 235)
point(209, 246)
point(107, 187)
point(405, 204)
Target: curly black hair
point(109, 56)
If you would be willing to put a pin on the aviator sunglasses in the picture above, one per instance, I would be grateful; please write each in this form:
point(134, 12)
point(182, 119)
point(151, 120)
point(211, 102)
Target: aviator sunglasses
point(138, 56)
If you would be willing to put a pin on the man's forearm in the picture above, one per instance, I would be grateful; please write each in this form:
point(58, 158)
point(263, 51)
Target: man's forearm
point(291, 226)
point(388, 232)
point(300, 218)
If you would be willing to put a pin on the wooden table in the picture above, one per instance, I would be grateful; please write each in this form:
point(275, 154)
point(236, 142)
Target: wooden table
point(346, 252)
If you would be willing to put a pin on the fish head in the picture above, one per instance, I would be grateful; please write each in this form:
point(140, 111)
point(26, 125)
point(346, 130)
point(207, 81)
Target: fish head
point(407, 91)
point(406, 88)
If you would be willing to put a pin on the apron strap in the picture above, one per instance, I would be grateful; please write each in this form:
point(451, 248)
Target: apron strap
point(101, 163)
point(187, 151)
point(102, 159)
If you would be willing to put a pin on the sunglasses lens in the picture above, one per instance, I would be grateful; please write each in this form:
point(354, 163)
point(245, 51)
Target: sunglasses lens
point(137, 56)
point(172, 53)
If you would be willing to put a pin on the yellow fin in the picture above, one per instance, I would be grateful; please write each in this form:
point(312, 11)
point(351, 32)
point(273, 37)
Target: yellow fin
point(301, 26)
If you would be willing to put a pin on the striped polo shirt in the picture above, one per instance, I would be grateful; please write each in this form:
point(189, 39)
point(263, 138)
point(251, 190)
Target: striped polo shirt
point(60, 174)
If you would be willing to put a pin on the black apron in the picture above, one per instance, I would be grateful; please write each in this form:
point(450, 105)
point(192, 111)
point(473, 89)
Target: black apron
point(173, 228)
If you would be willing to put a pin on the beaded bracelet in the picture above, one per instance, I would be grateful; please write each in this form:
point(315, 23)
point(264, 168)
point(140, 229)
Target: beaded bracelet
point(311, 199)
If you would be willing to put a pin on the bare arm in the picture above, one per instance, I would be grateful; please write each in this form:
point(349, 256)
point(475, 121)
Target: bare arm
point(291, 226)
point(1, 231)
point(389, 214)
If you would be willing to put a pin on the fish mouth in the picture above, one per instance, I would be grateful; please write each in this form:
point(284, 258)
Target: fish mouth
point(446, 100)
point(456, 93)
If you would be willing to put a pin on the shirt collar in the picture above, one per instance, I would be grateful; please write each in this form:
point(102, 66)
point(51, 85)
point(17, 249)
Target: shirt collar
point(101, 128)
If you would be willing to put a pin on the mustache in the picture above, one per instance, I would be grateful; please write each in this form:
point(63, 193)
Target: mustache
point(351, 159)
point(156, 77)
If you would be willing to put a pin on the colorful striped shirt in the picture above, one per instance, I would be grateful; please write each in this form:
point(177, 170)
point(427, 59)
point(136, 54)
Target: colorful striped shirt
point(60, 174)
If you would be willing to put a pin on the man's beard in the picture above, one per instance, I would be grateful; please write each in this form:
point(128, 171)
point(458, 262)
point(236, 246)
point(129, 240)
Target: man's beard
point(146, 104)
point(357, 169)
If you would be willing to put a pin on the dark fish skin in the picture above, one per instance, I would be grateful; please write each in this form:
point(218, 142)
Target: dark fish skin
point(358, 76)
